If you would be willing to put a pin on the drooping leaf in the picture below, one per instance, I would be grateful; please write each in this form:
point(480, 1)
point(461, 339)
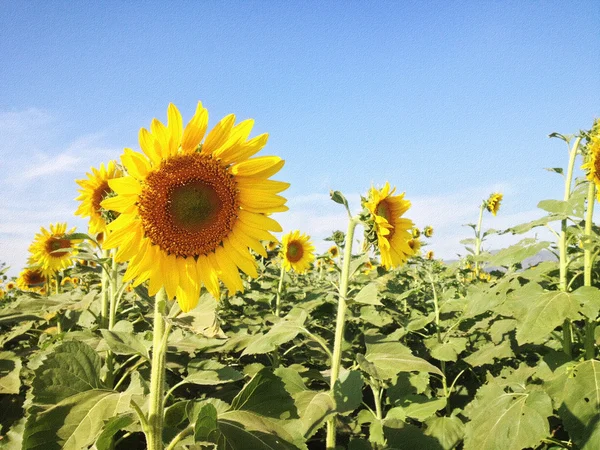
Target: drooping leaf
point(75, 422)
point(447, 350)
point(282, 332)
point(368, 295)
point(126, 343)
point(448, 430)
point(112, 426)
point(348, 391)
point(212, 373)
point(73, 367)
point(420, 407)
point(518, 252)
point(10, 368)
point(206, 427)
point(488, 353)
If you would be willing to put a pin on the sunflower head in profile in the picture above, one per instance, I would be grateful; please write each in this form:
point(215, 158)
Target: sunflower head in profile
point(385, 226)
point(493, 203)
point(191, 207)
point(428, 231)
point(297, 252)
point(333, 251)
point(52, 250)
point(429, 255)
point(592, 164)
point(415, 245)
point(31, 279)
point(416, 233)
point(93, 190)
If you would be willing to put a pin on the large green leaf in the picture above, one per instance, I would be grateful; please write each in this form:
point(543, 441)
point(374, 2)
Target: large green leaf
point(75, 422)
point(212, 373)
point(447, 350)
point(368, 295)
point(418, 407)
point(580, 410)
point(403, 436)
point(348, 391)
point(265, 394)
point(514, 254)
point(282, 332)
point(488, 353)
point(505, 420)
point(73, 367)
point(126, 343)
point(449, 431)
point(10, 368)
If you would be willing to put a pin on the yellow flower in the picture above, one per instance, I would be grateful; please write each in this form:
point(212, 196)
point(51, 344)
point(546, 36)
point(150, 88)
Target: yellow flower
point(189, 212)
point(75, 281)
point(297, 251)
point(2, 294)
point(66, 280)
point(368, 267)
point(333, 251)
point(272, 246)
point(31, 279)
point(592, 165)
point(416, 233)
point(415, 245)
point(393, 231)
point(129, 288)
point(10, 285)
point(95, 189)
point(428, 231)
point(51, 251)
point(493, 203)
point(429, 255)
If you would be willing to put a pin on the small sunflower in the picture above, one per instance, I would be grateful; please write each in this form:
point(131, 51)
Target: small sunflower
point(66, 280)
point(592, 165)
point(32, 279)
point(416, 233)
point(393, 231)
point(368, 267)
point(11, 285)
point(415, 245)
point(429, 255)
point(493, 203)
point(271, 246)
point(189, 211)
point(51, 250)
point(297, 251)
point(428, 231)
point(333, 251)
point(93, 190)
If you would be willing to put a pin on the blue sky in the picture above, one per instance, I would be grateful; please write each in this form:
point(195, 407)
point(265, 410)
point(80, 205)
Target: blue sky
point(446, 100)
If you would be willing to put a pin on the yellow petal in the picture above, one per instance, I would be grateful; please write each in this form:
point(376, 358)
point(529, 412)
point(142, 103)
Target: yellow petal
point(208, 275)
point(194, 130)
point(125, 186)
point(219, 134)
point(161, 136)
point(120, 203)
point(147, 146)
point(175, 127)
point(243, 241)
point(136, 165)
point(260, 167)
point(243, 260)
point(259, 184)
point(260, 221)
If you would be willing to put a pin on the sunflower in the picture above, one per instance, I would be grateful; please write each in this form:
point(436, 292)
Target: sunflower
point(429, 255)
point(493, 203)
point(416, 233)
point(66, 280)
point(51, 250)
point(392, 230)
point(190, 212)
point(272, 246)
point(592, 165)
point(2, 294)
point(31, 279)
point(333, 251)
point(11, 285)
point(93, 190)
point(297, 251)
point(428, 231)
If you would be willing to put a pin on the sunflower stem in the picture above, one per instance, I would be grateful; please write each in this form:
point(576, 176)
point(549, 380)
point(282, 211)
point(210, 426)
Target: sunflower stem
point(157, 376)
point(339, 326)
point(104, 295)
point(114, 289)
point(478, 237)
point(562, 247)
point(590, 325)
point(279, 290)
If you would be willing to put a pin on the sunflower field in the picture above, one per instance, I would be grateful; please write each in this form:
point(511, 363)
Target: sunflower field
point(178, 320)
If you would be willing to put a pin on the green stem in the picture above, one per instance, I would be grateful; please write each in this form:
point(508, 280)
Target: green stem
point(339, 325)
point(157, 376)
point(279, 290)
point(104, 294)
point(188, 431)
point(377, 394)
point(114, 288)
point(562, 247)
point(440, 341)
point(590, 325)
point(478, 237)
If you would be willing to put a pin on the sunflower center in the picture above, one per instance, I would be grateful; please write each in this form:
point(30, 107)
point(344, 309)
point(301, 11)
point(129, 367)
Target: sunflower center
point(384, 210)
point(34, 278)
point(54, 244)
point(189, 205)
point(101, 193)
point(294, 252)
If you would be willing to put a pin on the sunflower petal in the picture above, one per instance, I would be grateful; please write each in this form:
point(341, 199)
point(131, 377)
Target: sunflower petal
point(195, 129)
point(219, 134)
point(260, 167)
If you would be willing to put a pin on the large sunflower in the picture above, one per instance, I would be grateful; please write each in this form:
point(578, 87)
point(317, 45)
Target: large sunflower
point(31, 279)
point(51, 250)
point(95, 189)
point(393, 231)
point(190, 212)
point(297, 251)
point(592, 164)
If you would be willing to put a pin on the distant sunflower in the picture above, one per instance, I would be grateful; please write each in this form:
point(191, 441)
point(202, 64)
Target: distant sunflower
point(592, 165)
point(31, 280)
point(189, 212)
point(428, 231)
point(272, 246)
point(429, 255)
point(51, 250)
point(333, 251)
point(415, 245)
point(95, 189)
point(11, 285)
point(66, 280)
point(493, 203)
point(297, 251)
point(368, 267)
point(392, 230)
point(416, 233)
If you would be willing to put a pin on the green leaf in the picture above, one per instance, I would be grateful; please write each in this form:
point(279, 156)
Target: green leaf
point(265, 394)
point(314, 408)
point(448, 350)
point(542, 314)
point(420, 407)
point(211, 373)
point(508, 421)
point(525, 227)
point(282, 332)
point(387, 359)
point(558, 170)
point(580, 410)
point(73, 367)
point(202, 319)
point(348, 391)
point(588, 298)
point(404, 436)
point(124, 343)
point(339, 198)
point(488, 353)
point(368, 295)
point(514, 254)
point(10, 368)
point(449, 431)
point(75, 422)
point(206, 424)
point(115, 424)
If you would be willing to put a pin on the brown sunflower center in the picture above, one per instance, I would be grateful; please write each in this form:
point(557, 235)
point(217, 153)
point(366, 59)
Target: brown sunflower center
point(102, 192)
point(294, 251)
point(54, 244)
point(34, 278)
point(384, 210)
point(189, 205)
